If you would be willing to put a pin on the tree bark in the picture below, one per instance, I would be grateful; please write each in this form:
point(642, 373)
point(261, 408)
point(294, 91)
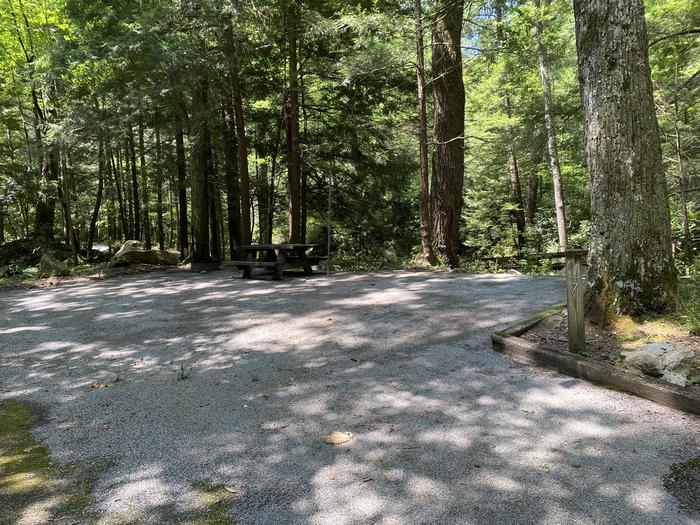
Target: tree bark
point(631, 266)
point(533, 184)
point(200, 177)
point(550, 125)
point(426, 226)
point(159, 191)
point(293, 151)
point(146, 226)
point(448, 133)
point(134, 186)
point(233, 187)
point(242, 141)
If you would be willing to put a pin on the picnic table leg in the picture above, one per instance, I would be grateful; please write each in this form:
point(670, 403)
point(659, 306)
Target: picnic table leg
point(279, 268)
point(306, 264)
point(248, 270)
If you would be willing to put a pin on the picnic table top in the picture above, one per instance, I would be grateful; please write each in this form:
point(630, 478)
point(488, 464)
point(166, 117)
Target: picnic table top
point(285, 246)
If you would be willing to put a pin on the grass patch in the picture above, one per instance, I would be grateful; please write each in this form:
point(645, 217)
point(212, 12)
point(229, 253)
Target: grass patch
point(32, 488)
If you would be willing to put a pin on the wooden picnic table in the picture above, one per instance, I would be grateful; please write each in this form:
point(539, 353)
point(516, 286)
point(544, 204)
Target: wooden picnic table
point(277, 257)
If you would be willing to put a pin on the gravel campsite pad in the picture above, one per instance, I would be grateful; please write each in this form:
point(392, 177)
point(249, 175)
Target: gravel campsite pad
point(185, 380)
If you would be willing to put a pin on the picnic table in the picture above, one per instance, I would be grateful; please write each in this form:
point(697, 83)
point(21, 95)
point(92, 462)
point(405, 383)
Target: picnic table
point(277, 257)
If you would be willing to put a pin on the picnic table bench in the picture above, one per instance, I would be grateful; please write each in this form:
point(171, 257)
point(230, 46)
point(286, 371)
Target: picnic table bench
point(278, 257)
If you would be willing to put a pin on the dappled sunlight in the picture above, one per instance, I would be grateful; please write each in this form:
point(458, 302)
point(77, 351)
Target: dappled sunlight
point(195, 380)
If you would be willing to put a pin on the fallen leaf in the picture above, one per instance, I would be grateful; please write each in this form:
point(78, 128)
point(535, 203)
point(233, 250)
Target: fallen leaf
point(98, 385)
point(338, 438)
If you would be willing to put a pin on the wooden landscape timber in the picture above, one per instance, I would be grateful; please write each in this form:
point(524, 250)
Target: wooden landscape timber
point(508, 342)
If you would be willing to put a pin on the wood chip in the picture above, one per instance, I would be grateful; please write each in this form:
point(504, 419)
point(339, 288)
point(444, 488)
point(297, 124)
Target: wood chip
point(338, 438)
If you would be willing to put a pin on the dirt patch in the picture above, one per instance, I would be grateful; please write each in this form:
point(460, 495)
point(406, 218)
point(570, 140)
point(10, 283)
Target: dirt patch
point(625, 334)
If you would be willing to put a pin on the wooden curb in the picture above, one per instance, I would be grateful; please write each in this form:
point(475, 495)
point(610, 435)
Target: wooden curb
point(520, 350)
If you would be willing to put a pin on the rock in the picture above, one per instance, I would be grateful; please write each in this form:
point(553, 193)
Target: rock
point(662, 360)
point(51, 267)
point(134, 252)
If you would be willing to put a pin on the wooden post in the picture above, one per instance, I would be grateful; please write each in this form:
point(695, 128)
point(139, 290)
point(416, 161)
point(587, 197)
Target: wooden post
point(575, 290)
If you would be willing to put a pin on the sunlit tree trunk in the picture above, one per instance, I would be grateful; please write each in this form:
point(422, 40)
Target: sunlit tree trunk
point(631, 267)
point(293, 151)
point(426, 226)
point(550, 125)
point(448, 132)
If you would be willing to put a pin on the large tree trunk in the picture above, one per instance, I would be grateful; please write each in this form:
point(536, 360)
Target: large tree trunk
point(426, 234)
point(200, 175)
point(448, 133)
point(293, 151)
point(242, 141)
point(550, 125)
point(233, 187)
point(631, 266)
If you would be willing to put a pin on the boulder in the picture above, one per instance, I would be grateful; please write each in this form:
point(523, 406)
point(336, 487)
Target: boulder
point(134, 252)
point(662, 360)
point(51, 267)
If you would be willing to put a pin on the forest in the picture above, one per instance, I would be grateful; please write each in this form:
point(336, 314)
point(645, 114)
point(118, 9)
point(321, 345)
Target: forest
point(496, 207)
point(428, 133)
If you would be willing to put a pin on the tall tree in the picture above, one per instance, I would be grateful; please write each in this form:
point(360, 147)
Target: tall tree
point(550, 125)
point(631, 267)
point(448, 132)
point(426, 234)
point(293, 148)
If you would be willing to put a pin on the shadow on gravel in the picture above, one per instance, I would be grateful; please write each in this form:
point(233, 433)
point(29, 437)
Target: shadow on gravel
point(199, 380)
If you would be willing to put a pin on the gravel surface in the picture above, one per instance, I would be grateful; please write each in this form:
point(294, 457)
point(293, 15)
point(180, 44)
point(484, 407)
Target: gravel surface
point(218, 381)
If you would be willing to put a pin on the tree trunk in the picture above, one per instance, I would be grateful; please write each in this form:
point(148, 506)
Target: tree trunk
point(293, 151)
point(134, 186)
point(631, 266)
point(146, 227)
point(98, 198)
point(448, 133)
point(242, 141)
point(159, 191)
point(516, 188)
point(214, 203)
point(533, 183)
point(200, 176)
point(426, 237)
point(550, 125)
point(182, 226)
point(64, 188)
point(111, 195)
point(263, 198)
point(122, 208)
point(233, 187)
